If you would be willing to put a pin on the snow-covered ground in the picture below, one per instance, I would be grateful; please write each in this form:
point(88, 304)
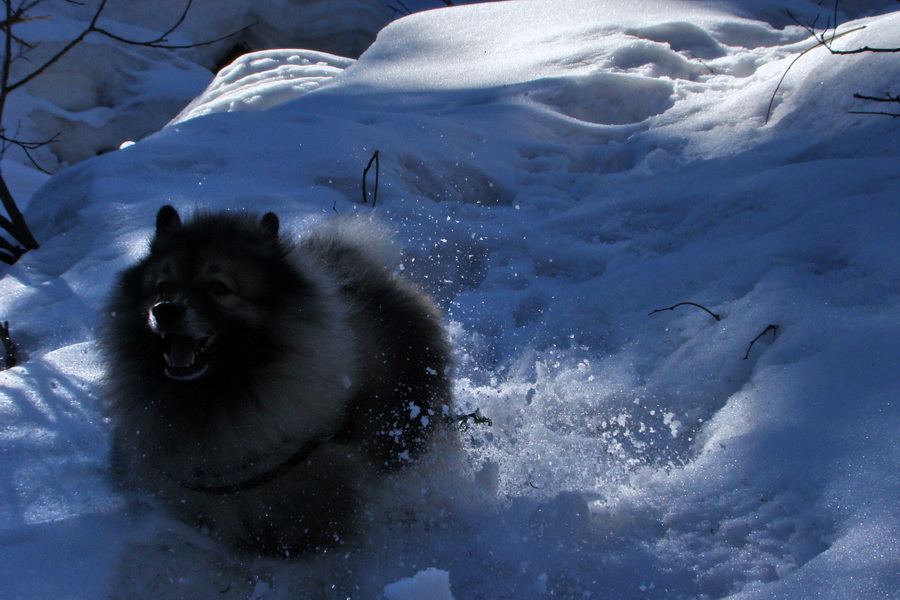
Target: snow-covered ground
point(555, 170)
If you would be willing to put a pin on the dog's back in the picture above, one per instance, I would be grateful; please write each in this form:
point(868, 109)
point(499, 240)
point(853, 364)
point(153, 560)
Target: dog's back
point(403, 391)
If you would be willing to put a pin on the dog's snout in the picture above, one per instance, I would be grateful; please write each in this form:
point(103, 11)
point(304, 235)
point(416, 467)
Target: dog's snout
point(167, 314)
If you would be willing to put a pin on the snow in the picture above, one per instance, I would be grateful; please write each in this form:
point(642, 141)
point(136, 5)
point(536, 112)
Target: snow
point(555, 171)
point(261, 80)
point(430, 583)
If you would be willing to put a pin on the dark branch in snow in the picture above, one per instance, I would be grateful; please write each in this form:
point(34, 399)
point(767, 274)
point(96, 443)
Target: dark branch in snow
point(824, 39)
point(9, 253)
point(712, 314)
point(403, 10)
point(16, 226)
point(9, 346)
point(798, 57)
point(161, 41)
point(26, 147)
point(693, 56)
point(365, 192)
point(772, 328)
point(832, 23)
point(873, 112)
point(886, 98)
point(13, 49)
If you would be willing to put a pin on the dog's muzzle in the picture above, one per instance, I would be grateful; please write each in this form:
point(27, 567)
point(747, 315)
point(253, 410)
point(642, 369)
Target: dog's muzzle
point(187, 347)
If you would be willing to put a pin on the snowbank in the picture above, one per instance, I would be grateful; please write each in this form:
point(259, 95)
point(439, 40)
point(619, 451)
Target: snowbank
point(557, 171)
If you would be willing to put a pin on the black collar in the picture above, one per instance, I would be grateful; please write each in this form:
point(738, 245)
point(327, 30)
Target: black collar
point(254, 482)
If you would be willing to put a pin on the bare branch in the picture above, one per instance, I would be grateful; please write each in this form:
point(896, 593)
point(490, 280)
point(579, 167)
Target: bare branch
point(20, 18)
point(886, 98)
point(16, 225)
point(159, 43)
point(399, 11)
point(10, 87)
point(873, 112)
point(832, 24)
point(8, 345)
point(27, 145)
point(92, 27)
point(822, 39)
point(365, 176)
point(772, 328)
point(863, 49)
point(712, 314)
point(798, 57)
point(10, 253)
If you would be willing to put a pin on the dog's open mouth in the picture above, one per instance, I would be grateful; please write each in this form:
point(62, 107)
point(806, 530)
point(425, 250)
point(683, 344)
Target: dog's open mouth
point(187, 357)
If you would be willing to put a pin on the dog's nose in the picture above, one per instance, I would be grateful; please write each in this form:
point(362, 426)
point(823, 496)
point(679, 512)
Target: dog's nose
point(167, 314)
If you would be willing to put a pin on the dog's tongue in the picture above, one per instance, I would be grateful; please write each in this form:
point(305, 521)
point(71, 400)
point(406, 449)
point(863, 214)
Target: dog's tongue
point(182, 349)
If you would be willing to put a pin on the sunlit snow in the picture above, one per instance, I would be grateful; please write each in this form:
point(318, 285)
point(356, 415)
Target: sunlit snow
point(555, 171)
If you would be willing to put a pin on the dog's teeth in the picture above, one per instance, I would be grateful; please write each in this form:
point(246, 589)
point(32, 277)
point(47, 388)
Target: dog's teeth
point(182, 352)
point(189, 376)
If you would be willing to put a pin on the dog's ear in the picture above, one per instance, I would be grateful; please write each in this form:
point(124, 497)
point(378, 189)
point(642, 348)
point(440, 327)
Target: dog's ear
point(270, 224)
point(167, 220)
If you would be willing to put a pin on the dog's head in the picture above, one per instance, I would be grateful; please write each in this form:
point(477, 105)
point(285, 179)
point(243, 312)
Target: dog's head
point(210, 291)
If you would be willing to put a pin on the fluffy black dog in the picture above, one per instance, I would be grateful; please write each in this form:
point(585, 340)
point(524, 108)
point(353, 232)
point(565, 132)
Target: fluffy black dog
point(261, 387)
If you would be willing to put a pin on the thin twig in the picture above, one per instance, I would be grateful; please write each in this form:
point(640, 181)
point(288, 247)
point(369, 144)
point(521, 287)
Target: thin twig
point(798, 57)
point(16, 225)
point(700, 60)
point(94, 28)
point(27, 147)
point(887, 98)
point(11, 359)
point(863, 49)
point(365, 192)
point(872, 112)
point(403, 10)
point(164, 46)
point(712, 314)
point(772, 328)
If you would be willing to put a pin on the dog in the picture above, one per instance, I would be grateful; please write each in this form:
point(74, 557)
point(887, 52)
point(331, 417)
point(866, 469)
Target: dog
point(261, 387)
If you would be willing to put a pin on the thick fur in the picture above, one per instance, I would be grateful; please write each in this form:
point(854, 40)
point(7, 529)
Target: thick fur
point(261, 387)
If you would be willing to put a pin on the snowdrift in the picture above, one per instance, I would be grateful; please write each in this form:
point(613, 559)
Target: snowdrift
point(558, 172)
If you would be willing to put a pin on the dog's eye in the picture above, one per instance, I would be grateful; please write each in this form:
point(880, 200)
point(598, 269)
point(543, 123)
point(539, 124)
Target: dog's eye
point(217, 288)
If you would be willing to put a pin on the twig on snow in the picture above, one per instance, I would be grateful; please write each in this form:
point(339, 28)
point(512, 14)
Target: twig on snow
point(886, 98)
point(9, 346)
point(772, 328)
point(711, 313)
point(365, 192)
point(798, 57)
